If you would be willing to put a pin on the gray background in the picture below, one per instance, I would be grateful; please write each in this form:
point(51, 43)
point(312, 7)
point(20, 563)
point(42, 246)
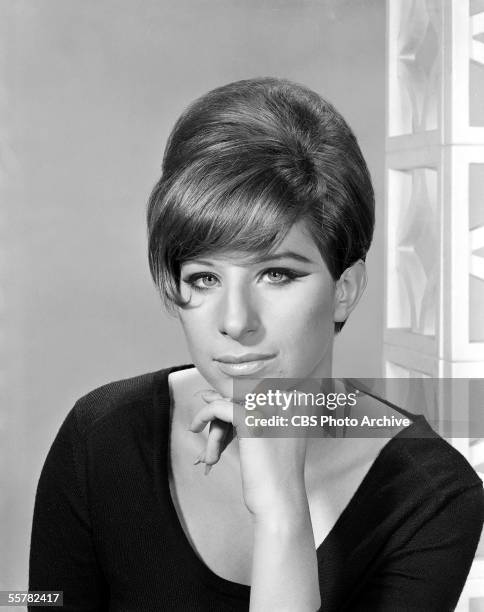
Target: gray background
point(89, 92)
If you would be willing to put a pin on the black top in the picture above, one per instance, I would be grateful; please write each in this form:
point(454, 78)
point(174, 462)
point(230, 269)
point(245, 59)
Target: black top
point(105, 530)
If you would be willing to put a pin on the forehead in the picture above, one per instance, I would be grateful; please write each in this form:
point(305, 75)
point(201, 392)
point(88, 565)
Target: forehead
point(298, 239)
point(298, 242)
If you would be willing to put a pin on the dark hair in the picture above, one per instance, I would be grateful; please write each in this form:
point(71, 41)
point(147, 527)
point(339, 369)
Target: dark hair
point(244, 163)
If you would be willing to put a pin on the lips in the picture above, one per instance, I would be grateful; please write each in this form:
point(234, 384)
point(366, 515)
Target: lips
point(243, 365)
point(243, 358)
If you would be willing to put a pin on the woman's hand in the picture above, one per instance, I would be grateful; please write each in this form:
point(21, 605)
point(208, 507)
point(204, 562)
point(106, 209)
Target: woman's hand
point(284, 563)
point(272, 469)
point(221, 431)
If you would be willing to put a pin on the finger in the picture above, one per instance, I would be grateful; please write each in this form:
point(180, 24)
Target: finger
point(218, 409)
point(209, 395)
point(200, 459)
point(229, 436)
point(216, 437)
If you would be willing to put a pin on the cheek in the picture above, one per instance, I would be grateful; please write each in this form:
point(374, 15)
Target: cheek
point(309, 313)
point(194, 329)
point(306, 337)
point(319, 315)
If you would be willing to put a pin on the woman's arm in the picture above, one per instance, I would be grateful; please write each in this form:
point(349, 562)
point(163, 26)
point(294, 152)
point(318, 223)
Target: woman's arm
point(62, 556)
point(284, 563)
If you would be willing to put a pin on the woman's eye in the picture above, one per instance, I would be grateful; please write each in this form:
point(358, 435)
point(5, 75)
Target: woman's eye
point(275, 275)
point(202, 281)
point(280, 277)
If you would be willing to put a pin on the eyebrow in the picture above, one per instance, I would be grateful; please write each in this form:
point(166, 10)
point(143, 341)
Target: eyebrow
point(283, 255)
point(268, 257)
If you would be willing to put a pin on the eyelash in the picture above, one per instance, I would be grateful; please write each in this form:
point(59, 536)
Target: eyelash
point(290, 274)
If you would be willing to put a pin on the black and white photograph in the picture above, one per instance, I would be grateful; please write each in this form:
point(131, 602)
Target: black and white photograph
point(242, 305)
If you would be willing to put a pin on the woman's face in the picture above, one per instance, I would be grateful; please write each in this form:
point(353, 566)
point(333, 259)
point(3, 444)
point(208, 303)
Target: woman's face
point(270, 319)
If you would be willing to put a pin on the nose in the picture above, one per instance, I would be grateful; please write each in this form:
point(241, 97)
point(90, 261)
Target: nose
point(238, 314)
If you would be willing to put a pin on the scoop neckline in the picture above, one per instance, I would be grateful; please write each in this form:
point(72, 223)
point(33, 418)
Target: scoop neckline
point(161, 462)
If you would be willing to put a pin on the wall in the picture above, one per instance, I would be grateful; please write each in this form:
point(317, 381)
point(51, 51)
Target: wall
point(91, 91)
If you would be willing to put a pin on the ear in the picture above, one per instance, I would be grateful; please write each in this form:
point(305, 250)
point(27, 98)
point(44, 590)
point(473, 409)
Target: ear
point(349, 288)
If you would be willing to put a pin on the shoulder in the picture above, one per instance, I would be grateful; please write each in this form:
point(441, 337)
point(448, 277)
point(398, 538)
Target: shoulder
point(420, 486)
point(127, 397)
point(125, 402)
point(430, 459)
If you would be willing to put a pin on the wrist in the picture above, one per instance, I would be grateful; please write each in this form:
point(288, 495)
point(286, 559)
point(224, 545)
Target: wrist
point(283, 514)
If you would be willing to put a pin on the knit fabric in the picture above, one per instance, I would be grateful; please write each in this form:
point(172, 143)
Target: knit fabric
point(105, 530)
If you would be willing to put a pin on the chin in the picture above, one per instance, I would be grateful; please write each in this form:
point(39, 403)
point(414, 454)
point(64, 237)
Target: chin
point(213, 378)
point(225, 384)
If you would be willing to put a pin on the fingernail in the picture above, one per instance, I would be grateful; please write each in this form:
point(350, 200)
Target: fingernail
point(197, 461)
point(207, 469)
point(208, 394)
point(203, 391)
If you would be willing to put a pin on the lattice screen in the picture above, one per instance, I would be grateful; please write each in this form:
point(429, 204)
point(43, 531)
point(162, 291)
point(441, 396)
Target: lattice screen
point(434, 323)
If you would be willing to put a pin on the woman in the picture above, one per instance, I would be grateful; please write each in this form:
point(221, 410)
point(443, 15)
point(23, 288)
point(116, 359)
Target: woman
point(258, 231)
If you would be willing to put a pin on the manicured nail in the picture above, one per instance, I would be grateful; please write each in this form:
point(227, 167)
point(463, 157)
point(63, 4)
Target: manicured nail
point(208, 394)
point(207, 469)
